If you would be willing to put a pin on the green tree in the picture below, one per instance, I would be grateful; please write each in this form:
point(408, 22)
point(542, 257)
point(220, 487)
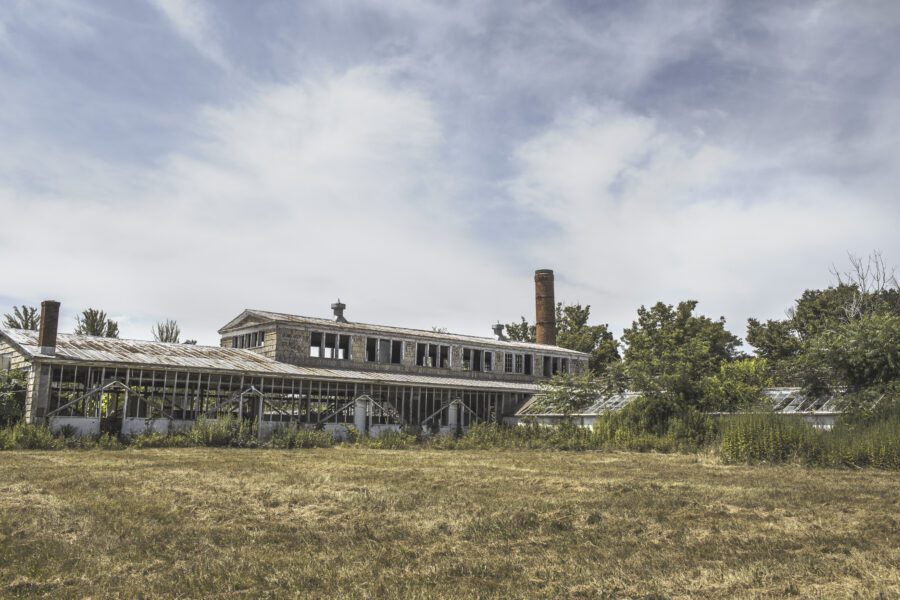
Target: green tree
point(24, 317)
point(567, 393)
point(739, 385)
point(856, 356)
point(95, 322)
point(521, 332)
point(669, 352)
point(574, 333)
point(819, 344)
point(167, 331)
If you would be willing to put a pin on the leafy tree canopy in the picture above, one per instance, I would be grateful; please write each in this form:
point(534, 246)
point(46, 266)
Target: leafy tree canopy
point(669, 351)
point(567, 393)
point(95, 322)
point(838, 338)
point(24, 317)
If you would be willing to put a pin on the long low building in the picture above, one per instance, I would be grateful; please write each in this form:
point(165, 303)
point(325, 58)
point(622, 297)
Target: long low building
point(273, 369)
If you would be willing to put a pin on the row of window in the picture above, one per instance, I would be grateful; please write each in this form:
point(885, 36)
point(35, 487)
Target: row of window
point(249, 340)
point(388, 351)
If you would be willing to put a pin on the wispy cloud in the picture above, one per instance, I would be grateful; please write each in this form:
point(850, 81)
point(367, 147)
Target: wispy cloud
point(419, 159)
point(191, 19)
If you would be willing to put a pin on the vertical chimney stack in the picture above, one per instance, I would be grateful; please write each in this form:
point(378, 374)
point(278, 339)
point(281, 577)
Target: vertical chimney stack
point(338, 308)
point(545, 307)
point(49, 327)
point(498, 331)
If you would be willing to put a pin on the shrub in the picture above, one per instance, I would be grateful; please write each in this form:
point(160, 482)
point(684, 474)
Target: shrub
point(26, 436)
point(294, 437)
point(12, 396)
point(390, 440)
point(224, 431)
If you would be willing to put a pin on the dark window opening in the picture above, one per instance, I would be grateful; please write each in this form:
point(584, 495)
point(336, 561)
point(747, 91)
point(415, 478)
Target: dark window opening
point(396, 352)
point(433, 355)
point(371, 349)
point(315, 345)
point(343, 350)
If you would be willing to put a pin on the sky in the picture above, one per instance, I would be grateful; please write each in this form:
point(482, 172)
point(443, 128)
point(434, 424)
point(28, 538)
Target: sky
point(189, 159)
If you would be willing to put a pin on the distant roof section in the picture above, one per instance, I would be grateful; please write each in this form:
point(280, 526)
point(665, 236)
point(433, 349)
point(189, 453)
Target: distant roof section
point(114, 351)
point(784, 401)
point(272, 317)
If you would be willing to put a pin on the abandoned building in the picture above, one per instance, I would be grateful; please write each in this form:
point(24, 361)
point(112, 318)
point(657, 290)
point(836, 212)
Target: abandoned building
point(275, 369)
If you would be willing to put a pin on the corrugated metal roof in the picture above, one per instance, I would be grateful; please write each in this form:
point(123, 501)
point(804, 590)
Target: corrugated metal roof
point(784, 400)
point(113, 351)
point(396, 331)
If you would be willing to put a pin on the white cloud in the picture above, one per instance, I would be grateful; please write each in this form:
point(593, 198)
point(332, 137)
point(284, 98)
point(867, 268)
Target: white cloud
point(191, 21)
point(297, 195)
point(644, 215)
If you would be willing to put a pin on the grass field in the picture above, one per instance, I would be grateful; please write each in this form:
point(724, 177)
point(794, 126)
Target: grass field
point(350, 522)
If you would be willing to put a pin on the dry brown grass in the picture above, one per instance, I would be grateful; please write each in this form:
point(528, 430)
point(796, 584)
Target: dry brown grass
point(351, 522)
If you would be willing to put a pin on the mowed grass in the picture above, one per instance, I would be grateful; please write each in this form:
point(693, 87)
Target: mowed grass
point(350, 522)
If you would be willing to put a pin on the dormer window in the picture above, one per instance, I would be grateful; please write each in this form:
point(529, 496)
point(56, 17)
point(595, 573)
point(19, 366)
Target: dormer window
point(384, 351)
point(249, 340)
point(329, 345)
point(433, 355)
point(477, 360)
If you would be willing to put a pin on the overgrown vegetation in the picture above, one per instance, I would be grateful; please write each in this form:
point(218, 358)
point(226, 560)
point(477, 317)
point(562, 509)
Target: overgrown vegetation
point(12, 397)
point(857, 440)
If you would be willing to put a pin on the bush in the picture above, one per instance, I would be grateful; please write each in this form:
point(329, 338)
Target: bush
point(25, 436)
point(391, 440)
point(12, 396)
point(294, 437)
point(221, 432)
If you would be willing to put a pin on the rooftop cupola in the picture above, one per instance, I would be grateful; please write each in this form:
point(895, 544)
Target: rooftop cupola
point(498, 331)
point(338, 308)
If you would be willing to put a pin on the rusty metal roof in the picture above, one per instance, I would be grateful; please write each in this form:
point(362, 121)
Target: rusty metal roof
point(119, 352)
point(365, 328)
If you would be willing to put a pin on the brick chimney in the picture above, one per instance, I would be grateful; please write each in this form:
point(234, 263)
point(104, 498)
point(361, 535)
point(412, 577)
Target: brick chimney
point(545, 307)
point(49, 326)
point(338, 308)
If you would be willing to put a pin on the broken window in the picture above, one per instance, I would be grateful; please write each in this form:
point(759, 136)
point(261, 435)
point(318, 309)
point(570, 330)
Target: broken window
point(488, 361)
point(548, 366)
point(343, 347)
point(315, 344)
point(433, 355)
point(384, 351)
point(472, 359)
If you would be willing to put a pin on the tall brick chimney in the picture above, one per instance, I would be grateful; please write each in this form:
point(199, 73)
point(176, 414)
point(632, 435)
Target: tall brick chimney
point(49, 326)
point(545, 307)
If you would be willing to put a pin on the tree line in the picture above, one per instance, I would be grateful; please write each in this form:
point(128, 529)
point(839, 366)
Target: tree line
point(843, 340)
point(94, 322)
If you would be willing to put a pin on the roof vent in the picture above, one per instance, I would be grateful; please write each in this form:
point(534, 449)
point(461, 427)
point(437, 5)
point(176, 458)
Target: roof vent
point(498, 331)
point(338, 308)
